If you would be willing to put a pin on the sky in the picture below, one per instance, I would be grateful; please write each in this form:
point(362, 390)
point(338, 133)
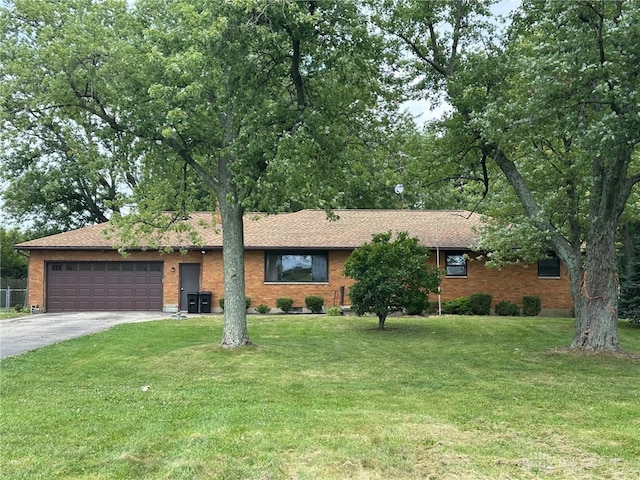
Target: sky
point(421, 109)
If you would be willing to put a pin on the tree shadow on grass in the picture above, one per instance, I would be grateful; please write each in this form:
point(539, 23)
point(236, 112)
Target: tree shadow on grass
point(398, 326)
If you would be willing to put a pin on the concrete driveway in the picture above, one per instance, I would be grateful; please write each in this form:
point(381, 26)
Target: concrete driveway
point(19, 335)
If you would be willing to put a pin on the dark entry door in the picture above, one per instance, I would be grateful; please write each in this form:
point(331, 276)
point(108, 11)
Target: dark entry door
point(189, 282)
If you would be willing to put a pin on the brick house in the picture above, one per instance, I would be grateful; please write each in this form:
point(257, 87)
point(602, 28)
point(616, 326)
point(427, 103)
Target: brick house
point(286, 255)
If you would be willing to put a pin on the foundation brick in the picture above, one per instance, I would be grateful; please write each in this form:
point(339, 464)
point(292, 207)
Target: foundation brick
point(507, 283)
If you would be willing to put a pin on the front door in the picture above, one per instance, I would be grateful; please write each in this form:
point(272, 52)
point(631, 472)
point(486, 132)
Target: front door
point(189, 282)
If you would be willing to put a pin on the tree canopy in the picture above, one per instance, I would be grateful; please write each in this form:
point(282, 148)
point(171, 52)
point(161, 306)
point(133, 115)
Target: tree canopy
point(12, 264)
point(264, 102)
point(549, 109)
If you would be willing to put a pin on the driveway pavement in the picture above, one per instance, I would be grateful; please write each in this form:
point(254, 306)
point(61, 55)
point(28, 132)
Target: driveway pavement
point(19, 335)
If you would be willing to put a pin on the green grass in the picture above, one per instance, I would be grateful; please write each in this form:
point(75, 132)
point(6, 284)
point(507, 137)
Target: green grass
point(8, 314)
point(323, 397)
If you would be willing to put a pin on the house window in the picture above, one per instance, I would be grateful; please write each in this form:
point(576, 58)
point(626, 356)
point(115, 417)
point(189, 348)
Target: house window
point(296, 267)
point(549, 267)
point(456, 265)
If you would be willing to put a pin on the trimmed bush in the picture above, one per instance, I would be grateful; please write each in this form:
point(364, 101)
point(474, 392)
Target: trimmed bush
point(263, 308)
point(314, 303)
point(459, 306)
point(480, 303)
point(334, 311)
point(284, 303)
point(415, 302)
point(531, 306)
point(247, 301)
point(506, 308)
point(432, 308)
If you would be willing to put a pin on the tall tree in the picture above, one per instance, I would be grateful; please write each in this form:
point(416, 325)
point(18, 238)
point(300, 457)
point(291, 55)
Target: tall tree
point(62, 170)
point(556, 110)
point(245, 93)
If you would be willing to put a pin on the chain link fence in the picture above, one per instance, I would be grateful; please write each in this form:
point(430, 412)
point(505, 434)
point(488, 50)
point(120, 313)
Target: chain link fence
point(13, 293)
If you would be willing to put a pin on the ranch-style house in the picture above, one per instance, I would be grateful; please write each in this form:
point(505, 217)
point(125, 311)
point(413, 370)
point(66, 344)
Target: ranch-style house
point(286, 255)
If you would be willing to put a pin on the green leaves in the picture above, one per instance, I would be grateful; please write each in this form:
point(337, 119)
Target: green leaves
point(390, 275)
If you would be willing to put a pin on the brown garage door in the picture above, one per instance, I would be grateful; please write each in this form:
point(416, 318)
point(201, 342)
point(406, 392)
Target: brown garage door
point(104, 286)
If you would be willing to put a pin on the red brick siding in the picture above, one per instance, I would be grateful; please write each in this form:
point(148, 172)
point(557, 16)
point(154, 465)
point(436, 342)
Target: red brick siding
point(261, 292)
point(508, 283)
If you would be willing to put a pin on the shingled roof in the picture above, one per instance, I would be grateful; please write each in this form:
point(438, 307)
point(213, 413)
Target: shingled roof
point(306, 229)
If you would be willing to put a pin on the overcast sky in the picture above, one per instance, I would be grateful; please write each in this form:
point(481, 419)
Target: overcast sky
point(420, 109)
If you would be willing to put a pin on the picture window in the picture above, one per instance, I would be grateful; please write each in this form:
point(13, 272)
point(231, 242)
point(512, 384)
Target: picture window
point(296, 267)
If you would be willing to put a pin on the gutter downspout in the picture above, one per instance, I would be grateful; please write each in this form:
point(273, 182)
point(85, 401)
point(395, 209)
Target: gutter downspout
point(438, 264)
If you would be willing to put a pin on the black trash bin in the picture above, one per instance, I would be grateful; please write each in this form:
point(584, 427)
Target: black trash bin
point(205, 302)
point(192, 302)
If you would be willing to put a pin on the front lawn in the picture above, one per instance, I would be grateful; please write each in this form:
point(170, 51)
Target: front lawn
point(8, 314)
point(323, 398)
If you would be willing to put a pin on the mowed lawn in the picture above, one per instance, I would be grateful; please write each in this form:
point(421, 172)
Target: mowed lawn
point(323, 397)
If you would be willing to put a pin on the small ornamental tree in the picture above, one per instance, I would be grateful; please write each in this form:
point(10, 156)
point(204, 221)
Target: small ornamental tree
point(389, 274)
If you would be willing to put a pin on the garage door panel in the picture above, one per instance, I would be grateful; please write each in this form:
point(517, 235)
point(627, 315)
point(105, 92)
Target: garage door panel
point(98, 304)
point(84, 304)
point(107, 286)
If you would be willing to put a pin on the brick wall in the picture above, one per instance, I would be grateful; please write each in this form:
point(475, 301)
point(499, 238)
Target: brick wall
point(508, 283)
point(261, 292)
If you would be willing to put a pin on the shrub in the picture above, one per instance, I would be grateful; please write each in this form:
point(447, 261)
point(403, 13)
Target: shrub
point(531, 306)
point(284, 303)
point(459, 306)
point(334, 311)
point(432, 308)
point(415, 302)
point(18, 307)
point(314, 303)
point(247, 301)
point(629, 305)
point(263, 308)
point(506, 308)
point(385, 271)
point(480, 303)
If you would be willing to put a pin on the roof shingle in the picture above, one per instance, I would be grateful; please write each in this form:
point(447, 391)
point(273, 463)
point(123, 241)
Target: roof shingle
point(308, 229)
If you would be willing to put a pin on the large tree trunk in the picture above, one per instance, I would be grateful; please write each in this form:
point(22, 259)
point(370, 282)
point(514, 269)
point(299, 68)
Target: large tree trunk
point(234, 333)
point(594, 279)
point(595, 290)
